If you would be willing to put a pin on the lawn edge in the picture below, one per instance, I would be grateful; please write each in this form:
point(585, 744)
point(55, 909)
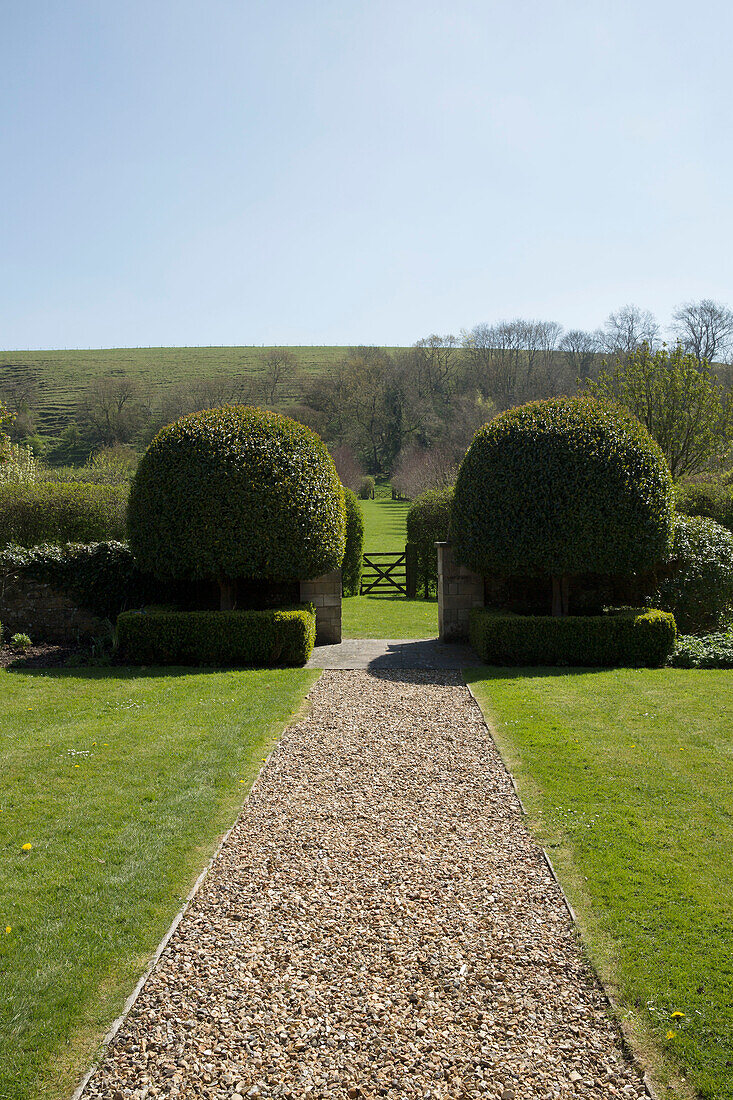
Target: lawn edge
point(296, 717)
point(625, 1036)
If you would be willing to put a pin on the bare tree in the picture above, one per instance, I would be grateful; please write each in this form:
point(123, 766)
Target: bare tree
point(626, 330)
point(348, 467)
point(580, 350)
point(111, 411)
point(277, 365)
point(705, 328)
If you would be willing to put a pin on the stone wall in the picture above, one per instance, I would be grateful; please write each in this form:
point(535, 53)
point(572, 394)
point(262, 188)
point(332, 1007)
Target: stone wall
point(459, 590)
point(325, 593)
point(43, 613)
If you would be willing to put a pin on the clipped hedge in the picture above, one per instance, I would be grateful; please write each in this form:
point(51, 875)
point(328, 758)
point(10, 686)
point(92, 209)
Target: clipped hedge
point(428, 522)
point(160, 636)
point(633, 638)
point(353, 554)
point(711, 651)
point(366, 488)
point(47, 512)
point(237, 492)
point(563, 487)
point(699, 591)
point(711, 498)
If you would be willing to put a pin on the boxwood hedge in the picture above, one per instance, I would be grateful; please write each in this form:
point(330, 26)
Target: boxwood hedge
point(699, 589)
point(162, 636)
point(237, 492)
point(353, 554)
point(428, 522)
point(634, 638)
point(562, 487)
point(44, 512)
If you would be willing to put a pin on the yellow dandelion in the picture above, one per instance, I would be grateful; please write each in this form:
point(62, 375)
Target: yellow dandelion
point(8, 930)
point(678, 1015)
point(27, 847)
point(671, 1034)
point(77, 765)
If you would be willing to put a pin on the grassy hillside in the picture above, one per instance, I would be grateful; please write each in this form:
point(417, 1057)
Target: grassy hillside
point(63, 376)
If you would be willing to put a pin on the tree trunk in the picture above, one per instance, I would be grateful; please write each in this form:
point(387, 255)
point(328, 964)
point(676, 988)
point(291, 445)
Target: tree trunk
point(560, 595)
point(227, 594)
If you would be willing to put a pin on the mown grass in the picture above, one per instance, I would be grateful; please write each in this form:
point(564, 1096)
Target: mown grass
point(121, 781)
point(628, 779)
point(387, 616)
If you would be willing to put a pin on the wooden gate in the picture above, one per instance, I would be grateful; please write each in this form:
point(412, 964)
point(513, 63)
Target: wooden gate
point(386, 572)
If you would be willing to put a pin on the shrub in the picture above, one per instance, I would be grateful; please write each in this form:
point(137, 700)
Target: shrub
point(168, 637)
point(562, 487)
point(627, 638)
point(699, 591)
point(428, 522)
point(351, 565)
point(712, 651)
point(366, 488)
point(20, 642)
point(236, 492)
point(710, 498)
point(31, 514)
point(17, 463)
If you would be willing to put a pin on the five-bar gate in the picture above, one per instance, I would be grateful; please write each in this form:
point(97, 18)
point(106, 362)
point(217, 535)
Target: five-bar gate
point(385, 572)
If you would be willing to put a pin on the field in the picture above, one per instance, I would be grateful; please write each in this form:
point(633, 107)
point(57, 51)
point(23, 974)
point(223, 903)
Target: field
point(387, 616)
point(103, 829)
point(64, 376)
point(628, 780)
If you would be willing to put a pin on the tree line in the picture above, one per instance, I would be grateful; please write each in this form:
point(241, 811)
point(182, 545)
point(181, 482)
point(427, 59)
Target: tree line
point(412, 413)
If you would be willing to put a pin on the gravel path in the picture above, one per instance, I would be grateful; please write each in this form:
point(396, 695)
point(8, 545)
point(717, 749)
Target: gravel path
point(378, 924)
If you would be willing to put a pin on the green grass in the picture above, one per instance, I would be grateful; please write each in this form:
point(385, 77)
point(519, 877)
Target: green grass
point(628, 779)
point(387, 616)
point(121, 781)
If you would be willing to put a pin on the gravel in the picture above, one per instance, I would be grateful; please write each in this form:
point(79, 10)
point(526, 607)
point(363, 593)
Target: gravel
point(379, 923)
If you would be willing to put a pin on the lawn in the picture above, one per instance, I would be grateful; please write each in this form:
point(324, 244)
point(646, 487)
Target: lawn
point(116, 786)
point(387, 616)
point(628, 780)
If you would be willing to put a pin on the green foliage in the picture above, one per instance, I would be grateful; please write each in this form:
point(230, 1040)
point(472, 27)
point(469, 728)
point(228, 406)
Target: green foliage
point(699, 592)
point(710, 651)
point(678, 399)
point(17, 464)
point(712, 498)
point(366, 488)
point(237, 492)
point(566, 486)
point(428, 522)
point(351, 565)
point(101, 577)
point(20, 642)
point(43, 512)
point(264, 638)
point(625, 638)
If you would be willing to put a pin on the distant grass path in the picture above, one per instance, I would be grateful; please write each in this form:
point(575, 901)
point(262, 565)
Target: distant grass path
point(121, 781)
point(387, 616)
point(628, 777)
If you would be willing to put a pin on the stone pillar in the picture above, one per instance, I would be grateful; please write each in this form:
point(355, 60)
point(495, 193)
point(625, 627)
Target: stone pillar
point(459, 590)
point(325, 593)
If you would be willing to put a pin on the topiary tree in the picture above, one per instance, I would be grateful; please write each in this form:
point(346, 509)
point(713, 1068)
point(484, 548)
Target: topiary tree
point(351, 565)
point(428, 522)
point(699, 589)
point(562, 487)
point(236, 493)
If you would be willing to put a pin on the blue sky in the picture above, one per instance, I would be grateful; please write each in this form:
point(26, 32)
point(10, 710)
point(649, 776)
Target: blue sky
point(317, 172)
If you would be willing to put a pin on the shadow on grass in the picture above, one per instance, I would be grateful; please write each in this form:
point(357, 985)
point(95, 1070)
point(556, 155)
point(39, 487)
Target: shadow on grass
point(500, 672)
point(130, 672)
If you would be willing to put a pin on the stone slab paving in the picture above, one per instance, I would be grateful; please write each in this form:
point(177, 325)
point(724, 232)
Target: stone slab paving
point(393, 653)
point(379, 923)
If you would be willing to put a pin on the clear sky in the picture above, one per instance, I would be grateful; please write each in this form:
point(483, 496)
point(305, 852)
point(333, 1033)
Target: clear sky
point(184, 172)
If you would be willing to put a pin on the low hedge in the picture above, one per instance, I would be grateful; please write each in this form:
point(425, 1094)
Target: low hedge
point(710, 651)
point(633, 638)
point(351, 565)
point(163, 636)
point(711, 498)
point(48, 512)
